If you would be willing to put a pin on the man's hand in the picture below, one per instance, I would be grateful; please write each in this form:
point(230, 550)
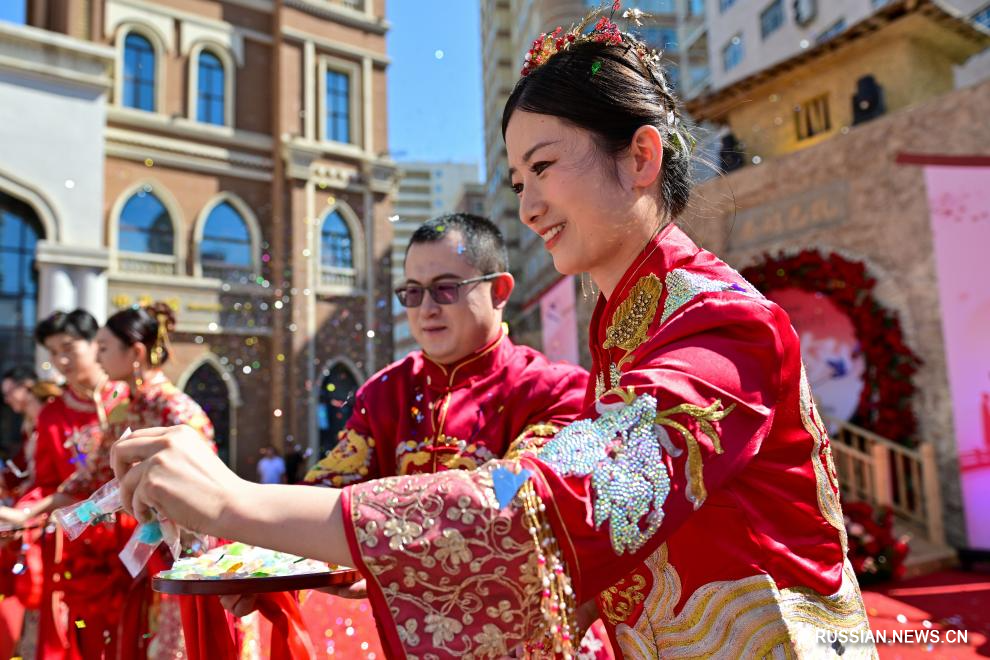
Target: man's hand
point(242, 605)
point(356, 590)
point(239, 605)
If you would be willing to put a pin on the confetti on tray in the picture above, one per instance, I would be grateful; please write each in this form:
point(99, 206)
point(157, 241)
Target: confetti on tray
point(238, 561)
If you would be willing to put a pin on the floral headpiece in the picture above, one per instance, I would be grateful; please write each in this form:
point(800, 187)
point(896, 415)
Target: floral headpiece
point(605, 31)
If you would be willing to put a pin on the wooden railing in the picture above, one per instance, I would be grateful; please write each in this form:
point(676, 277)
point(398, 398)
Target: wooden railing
point(873, 469)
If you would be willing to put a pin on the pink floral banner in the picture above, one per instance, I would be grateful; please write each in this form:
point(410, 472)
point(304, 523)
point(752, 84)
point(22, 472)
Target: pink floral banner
point(959, 205)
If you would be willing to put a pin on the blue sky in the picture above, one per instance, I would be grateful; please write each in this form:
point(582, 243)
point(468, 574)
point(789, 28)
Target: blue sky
point(12, 10)
point(435, 108)
point(435, 105)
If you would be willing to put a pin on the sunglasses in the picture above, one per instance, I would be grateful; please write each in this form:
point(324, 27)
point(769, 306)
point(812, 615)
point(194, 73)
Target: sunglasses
point(443, 293)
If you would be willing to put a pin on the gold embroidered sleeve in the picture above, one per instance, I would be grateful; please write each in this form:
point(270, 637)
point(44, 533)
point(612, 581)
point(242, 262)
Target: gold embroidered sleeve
point(461, 563)
point(351, 461)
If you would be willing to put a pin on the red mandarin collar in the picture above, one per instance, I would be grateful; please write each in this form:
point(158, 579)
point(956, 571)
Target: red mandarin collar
point(110, 392)
point(668, 249)
point(451, 376)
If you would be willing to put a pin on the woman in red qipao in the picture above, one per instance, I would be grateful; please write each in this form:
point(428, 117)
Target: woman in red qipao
point(134, 346)
point(21, 574)
point(696, 502)
point(64, 433)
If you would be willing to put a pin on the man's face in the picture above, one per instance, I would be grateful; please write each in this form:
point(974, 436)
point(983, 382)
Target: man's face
point(448, 333)
point(15, 395)
point(73, 357)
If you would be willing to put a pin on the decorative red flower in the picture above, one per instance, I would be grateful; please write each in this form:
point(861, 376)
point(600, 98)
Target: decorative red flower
point(884, 404)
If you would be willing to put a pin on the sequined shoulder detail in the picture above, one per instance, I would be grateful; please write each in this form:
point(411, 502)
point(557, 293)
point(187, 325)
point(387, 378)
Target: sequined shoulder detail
point(621, 451)
point(683, 286)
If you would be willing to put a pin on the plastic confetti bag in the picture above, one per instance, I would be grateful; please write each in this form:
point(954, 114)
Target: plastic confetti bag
point(97, 508)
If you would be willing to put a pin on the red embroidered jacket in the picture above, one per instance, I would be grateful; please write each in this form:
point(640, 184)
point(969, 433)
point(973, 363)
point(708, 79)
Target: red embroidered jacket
point(696, 501)
point(418, 416)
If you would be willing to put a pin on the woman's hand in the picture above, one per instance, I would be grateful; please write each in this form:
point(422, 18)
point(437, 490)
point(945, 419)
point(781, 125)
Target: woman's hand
point(13, 516)
point(171, 471)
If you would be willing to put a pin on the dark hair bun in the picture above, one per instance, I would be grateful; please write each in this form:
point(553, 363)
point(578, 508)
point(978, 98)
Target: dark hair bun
point(160, 310)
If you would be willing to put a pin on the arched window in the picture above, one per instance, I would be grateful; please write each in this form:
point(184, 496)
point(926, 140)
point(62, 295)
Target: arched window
point(145, 235)
point(145, 225)
point(207, 387)
point(139, 73)
point(336, 252)
point(210, 102)
point(336, 403)
point(20, 231)
point(225, 249)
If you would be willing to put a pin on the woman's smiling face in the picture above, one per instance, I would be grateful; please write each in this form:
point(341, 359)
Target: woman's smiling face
point(569, 193)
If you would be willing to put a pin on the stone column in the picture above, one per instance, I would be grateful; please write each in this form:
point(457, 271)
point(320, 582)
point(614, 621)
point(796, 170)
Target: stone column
point(91, 284)
point(56, 290)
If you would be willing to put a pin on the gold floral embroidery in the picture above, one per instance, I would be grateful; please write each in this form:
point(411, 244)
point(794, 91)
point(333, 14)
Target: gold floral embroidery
point(704, 417)
point(821, 459)
point(618, 603)
point(748, 618)
point(443, 552)
point(632, 318)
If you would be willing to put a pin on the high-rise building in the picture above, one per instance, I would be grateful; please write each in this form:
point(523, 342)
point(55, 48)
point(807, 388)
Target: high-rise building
point(234, 167)
point(748, 36)
point(508, 27)
point(426, 190)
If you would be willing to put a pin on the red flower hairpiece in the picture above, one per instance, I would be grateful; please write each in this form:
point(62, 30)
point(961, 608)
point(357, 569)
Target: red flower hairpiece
point(605, 31)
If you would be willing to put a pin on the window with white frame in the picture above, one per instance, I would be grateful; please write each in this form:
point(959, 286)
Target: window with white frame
point(226, 249)
point(982, 17)
point(732, 53)
point(831, 31)
point(337, 106)
point(146, 235)
point(336, 252)
point(772, 18)
point(139, 73)
point(211, 89)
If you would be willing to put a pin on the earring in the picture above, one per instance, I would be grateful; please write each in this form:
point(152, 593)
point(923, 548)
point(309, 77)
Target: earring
point(138, 381)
